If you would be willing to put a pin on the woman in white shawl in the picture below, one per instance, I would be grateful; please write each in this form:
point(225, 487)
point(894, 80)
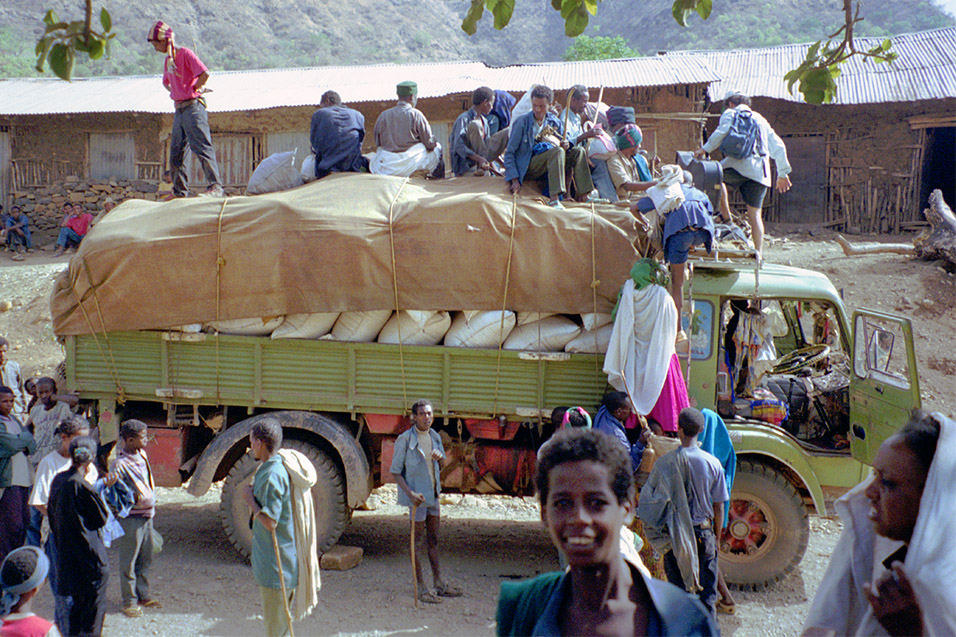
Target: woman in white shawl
point(891, 572)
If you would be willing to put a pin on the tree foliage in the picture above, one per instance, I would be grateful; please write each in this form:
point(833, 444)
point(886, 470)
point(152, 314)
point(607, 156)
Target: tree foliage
point(61, 41)
point(599, 47)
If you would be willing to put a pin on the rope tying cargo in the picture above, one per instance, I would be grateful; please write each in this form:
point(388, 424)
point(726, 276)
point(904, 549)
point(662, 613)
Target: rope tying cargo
point(398, 321)
point(594, 286)
point(220, 262)
point(111, 363)
point(504, 299)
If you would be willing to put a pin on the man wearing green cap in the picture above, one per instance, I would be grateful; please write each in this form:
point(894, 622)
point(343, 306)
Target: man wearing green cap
point(404, 140)
point(628, 168)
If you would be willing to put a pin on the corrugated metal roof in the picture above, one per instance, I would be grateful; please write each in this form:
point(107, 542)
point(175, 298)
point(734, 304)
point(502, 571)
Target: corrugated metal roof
point(249, 90)
point(924, 70)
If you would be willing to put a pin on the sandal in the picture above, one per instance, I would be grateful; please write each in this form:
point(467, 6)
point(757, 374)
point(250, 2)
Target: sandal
point(727, 609)
point(150, 603)
point(428, 597)
point(132, 611)
point(447, 590)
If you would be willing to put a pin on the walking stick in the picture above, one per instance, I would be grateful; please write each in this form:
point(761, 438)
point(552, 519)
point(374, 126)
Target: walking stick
point(285, 596)
point(414, 570)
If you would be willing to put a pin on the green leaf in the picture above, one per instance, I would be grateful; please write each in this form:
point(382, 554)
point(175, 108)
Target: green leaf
point(77, 26)
point(56, 26)
point(79, 43)
point(61, 61)
point(97, 47)
point(470, 24)
point(556, 5)
point(106, 20)
point(502, 12)
point(812, 54)
point(50, 18)
point(704, 7)
point(568, 7)
point(887, 45)
point(43, 49)
point(591, 6)
point(576, 23)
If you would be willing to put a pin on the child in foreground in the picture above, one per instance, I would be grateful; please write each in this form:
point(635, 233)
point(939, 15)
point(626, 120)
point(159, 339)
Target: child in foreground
point(21, 576)
point(586, 491)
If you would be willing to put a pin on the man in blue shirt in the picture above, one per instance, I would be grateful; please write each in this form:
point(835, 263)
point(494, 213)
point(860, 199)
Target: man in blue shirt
point(416, 467)
point(536, 149)
point(270, 500)
point(610, 419)
point(336, 136)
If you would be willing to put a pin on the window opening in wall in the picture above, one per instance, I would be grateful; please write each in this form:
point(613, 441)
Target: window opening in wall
point(939, 165)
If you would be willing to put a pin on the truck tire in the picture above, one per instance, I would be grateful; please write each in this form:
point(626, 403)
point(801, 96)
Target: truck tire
point(766, 535)
point(332, 514)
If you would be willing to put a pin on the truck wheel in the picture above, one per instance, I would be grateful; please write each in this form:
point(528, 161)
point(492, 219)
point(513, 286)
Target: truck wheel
point(766, 535)
point(331, 512)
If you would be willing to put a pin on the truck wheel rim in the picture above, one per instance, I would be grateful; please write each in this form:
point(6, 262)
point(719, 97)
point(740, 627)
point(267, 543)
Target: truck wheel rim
point(751, 530)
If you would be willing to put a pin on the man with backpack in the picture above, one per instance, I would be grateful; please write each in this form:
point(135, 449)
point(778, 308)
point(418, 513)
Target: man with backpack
point(748, 143)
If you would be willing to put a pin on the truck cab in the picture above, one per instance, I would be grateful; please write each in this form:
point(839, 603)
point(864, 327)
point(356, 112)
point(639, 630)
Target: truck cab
point(808, 394)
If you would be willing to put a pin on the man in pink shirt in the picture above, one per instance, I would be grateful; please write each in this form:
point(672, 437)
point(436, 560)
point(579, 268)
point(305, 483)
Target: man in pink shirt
point(184, 76)
point(73, 228)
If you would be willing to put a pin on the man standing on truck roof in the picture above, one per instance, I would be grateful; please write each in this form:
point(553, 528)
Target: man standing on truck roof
point(184, 76)
point(398, 131)
point(416, 467)
point(270, 500)
point(747, 163)
point(336, 135)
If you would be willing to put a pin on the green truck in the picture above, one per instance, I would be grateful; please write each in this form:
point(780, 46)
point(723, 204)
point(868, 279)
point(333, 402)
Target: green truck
point(373, 242)
point(343, 404)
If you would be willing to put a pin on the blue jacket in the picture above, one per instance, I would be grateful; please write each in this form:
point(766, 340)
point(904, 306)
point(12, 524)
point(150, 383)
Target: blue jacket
point(520, 143)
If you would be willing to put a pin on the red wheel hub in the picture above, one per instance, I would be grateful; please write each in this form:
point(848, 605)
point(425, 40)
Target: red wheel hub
point(747, 528)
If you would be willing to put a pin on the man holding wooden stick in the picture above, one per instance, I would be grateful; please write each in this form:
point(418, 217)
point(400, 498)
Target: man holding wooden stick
point(416, 467)
point(274, 562)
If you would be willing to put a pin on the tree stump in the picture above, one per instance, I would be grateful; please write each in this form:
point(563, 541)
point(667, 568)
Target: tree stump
point(940, 241)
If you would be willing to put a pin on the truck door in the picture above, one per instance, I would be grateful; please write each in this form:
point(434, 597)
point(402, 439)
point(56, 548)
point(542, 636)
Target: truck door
point(884, 387)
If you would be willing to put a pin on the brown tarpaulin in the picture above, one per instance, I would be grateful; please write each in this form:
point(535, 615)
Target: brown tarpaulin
point(327, 247)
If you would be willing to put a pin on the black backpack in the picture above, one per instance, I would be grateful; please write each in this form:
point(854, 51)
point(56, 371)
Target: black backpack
point(743, 138)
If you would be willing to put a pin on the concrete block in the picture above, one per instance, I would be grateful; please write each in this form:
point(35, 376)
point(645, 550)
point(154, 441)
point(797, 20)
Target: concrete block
point(341, 558)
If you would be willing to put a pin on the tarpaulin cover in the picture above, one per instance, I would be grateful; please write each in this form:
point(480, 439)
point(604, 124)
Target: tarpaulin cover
point(329, 246)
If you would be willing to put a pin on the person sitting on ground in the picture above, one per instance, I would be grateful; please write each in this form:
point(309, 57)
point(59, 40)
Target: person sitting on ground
point(416, 467)
point(682, 507)
point(108, 204)
point(22, 574)
point(473, 146)
point(164, 191)
point(613, 413)
point(53, 464)
point(690, 224)
point(75, 225)
point(77, 516)
point(19, 238)
point(891, 571)
point(336, 136)
point(628, 168)
point(585, 489)
point(535, 150)
point(749, 174)
point(51, 409)
point(399, 131)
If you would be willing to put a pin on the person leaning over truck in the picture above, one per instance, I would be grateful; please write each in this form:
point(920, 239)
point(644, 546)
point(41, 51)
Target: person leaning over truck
point(270, 500)
point(184, 76)
point(416, 467)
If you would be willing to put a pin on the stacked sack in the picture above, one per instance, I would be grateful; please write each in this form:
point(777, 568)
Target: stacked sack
point(477, 329)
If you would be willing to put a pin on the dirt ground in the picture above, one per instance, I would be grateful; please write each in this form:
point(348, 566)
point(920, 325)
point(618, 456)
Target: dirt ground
point(208, 590)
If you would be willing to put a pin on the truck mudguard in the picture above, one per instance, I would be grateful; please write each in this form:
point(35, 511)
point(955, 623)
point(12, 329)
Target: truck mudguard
point(350, 453)
point(760, 440)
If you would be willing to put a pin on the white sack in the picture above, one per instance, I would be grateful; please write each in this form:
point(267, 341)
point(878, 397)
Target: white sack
point(642, 344)
point(404, 164)
point(415, 330)
point(359, 327)
point(275, 173)
point(306, 325)
point(591, 342)
point(307, 170)
point(247, 327)
point(530, 317)
point(547, 335)
point(593, 321)
point(479, 329)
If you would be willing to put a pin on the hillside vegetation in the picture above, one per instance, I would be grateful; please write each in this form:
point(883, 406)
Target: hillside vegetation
point(229, 34)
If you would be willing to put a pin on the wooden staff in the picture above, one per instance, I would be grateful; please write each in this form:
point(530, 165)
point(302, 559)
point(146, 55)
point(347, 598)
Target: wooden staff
point(414, 570)
point(285, 596)
point(600, 97)
point(567, 111)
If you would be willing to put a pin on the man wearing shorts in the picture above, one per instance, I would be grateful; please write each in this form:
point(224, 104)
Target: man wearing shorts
point(687, 225)
point(416, 467)
point(750, 175)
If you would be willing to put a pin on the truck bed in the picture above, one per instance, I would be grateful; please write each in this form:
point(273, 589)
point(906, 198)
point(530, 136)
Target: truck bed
point(259, 372)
